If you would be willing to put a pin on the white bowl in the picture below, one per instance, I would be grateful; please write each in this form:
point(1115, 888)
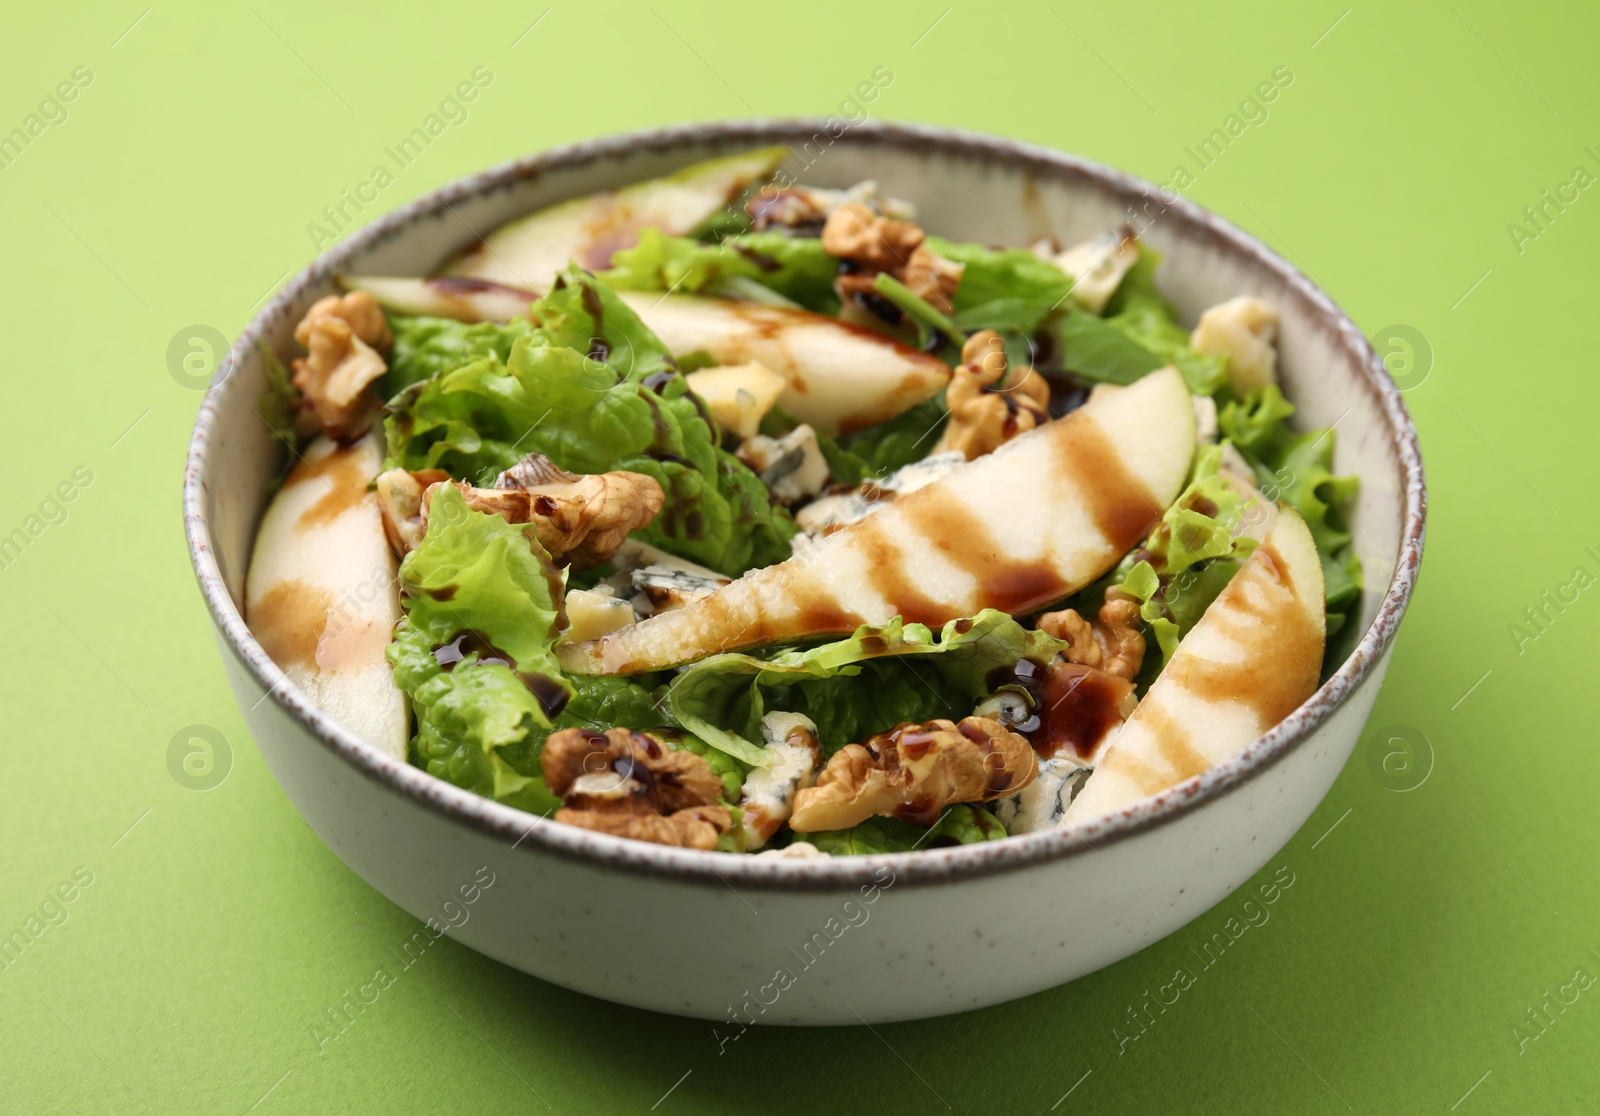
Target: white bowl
point(839, 940)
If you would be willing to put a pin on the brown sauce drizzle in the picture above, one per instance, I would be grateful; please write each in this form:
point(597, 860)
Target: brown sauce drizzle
point(1175, 746)
point(1075, 706)
point(1283, 649)
point(1121, 507)
point(551, 695)
point(288, 622)
point(347, 472)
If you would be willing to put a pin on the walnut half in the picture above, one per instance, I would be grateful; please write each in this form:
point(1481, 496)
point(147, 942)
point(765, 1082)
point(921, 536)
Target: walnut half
point(1113, 643)
point(629, 784)
point(580, 520)
point(343, 338)
point(913, 772)
point(990, 404)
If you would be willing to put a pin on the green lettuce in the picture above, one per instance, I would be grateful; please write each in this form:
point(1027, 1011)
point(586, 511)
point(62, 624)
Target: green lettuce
point(1190, 556)
point(594, 390)
point(962, 824)
point(930, 322)
point(854, 687)
point(424, 347)
point(488, 589)
point(1298, 469)
point(893, 444)
point(1010, 290)
point(473, 571)
point(1138, 334)
point(794, 268)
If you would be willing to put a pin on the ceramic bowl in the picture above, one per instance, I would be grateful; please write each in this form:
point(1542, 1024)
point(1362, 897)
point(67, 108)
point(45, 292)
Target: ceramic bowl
point(839, 940)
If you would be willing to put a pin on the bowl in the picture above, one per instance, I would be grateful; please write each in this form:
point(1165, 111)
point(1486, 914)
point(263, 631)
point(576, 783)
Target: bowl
point(838, 940)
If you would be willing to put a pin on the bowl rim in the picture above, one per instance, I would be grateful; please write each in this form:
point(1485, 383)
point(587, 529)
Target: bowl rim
point(775, 873)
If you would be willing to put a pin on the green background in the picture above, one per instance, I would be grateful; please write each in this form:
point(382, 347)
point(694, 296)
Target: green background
point(1418, 931)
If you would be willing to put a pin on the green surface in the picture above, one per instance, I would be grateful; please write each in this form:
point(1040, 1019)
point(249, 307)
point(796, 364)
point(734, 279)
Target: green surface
point(1421, 926)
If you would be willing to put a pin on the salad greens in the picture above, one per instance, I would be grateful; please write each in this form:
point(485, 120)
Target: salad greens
point(584, 382)
point(1138, 334)
point(851, 688)
point(1009, 290)
point(795, 270)
point(1190, 557)
point(958, 825)
point(593, 390)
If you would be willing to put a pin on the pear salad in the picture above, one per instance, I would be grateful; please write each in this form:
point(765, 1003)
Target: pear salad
point(752, 518)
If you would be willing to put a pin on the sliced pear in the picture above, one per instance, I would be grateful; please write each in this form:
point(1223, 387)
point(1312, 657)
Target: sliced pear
point(443, 296)
point(529, 251)
point(1017, 529)
point(321, 596)
point(1249, 662)
point(840, 377)
point(837, 377)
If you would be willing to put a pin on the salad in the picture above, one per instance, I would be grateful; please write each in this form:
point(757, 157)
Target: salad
point(761, 519)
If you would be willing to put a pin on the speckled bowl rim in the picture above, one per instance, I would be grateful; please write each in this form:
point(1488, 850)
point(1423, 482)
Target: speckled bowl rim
point(538, 836)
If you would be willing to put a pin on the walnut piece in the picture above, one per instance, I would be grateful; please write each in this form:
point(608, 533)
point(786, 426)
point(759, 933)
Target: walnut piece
point(989, 403)
point(343, 338)
point(1113, 643)
point(913, 772)
point(932, 278)
point(870, 243)
point(854, 232)
point(629, 784)
point(580, 520)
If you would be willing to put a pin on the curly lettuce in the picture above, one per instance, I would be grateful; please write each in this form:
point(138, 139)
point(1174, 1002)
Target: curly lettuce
point(794, 269)
point(425, 347)
point(486, 591)
point(866, 683)
point(474, 654)
point(962, 824)
point(594, 390)
point(1190, 556)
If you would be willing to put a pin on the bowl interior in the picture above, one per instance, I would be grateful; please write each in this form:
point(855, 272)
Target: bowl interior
point(965, 188)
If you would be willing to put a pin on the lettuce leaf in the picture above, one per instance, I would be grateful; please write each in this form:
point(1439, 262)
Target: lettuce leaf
point(909, 436)
point(594, 390)
point(487, 591)
point(795, 268)
point(1298, 469)
point(1138, 334)
point(1010, 289)
point(962, 824)
point(866, 683)
point(424, 347)
point(474, 572)
point(1190, 556)
point(474, 654)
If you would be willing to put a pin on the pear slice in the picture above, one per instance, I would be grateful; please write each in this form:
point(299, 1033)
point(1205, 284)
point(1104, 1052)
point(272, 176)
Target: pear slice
point(837, 377)
point(321, 595)
point(529, 251)
point(1016, 529)
point(1247, 664)
point(840, 377)
point(443, 296)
